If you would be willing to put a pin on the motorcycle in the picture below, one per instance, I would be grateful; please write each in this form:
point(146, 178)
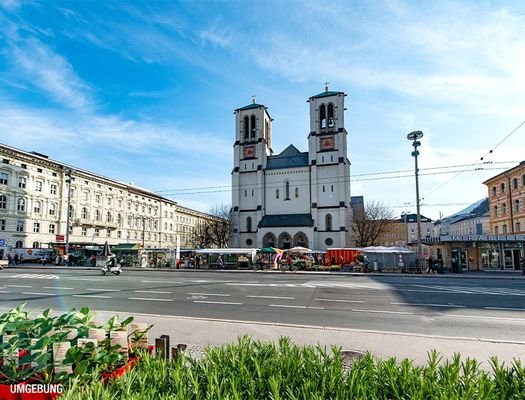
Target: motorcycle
point(112, 266)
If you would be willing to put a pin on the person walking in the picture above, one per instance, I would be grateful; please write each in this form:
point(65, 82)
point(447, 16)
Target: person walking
point(16, 259)
point(220, 263)
point(197, 261)
point(431, 266)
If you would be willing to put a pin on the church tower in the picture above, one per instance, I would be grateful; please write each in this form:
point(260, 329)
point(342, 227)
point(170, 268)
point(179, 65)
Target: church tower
point(330, 170)
point(252, 147)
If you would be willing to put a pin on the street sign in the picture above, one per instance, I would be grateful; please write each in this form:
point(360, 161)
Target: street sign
point(59, 238)
point(2, 243)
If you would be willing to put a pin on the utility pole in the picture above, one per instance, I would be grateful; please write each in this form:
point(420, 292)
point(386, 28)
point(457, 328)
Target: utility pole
point(414, 137)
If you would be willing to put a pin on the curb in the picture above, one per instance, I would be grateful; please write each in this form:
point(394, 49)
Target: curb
point(479, 275)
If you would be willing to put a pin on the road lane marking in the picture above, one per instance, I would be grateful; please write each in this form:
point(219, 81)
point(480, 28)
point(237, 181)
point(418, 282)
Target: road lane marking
point(35, 276)
point(152, 291)
point(148, 299)
point(272, 297)
point(22, 286)
point(487, 317)
point(4, 291)
point(58, 287)
point(290, 306)
point(40, 293)
point(146, 281)
point(97, 296)
point(504, 308)
point(218, 302)
point(85, 279)
point(428, 305)
point(103, 290)
point(210, 294)
point(341, 301)
point(382, 311)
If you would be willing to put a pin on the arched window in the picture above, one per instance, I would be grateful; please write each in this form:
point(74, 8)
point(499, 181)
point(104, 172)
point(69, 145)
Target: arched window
point(296, 192)
point(322, 116)
point(287, 190)
point(21, 205)
point(276, 193)
point(19, 244)
point(84, 214)
point(52, 209)
point(494, 191)
point(36, 245)
point(253, 126)
point(246, 127)
point(331, 121)
point(37, 207)
point(328, 222)
point(3, 202)
point(249, 224)
point(515, 183)
point(502, 187)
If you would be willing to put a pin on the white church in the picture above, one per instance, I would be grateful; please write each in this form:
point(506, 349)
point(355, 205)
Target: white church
point(293, 198)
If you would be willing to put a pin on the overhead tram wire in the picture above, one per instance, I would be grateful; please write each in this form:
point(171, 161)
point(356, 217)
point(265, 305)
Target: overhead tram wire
point(482, 158)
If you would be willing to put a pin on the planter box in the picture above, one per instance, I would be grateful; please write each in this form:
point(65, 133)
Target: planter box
point(119, 371)
point(5, 392)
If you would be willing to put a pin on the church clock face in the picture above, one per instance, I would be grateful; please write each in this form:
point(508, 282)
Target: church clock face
point(249, 151)
point(327, 143)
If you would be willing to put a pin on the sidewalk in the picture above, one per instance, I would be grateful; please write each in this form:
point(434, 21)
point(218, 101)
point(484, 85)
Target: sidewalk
point(499, 274)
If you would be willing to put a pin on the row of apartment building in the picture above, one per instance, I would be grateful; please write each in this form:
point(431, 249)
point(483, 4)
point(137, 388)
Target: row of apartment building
point(35, 192)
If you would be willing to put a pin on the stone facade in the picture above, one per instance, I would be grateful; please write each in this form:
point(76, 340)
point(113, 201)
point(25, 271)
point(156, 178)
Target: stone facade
point(293, 198)
point(34, 200)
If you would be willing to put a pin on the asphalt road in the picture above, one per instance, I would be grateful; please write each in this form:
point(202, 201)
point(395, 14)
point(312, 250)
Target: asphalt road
point(491, 309)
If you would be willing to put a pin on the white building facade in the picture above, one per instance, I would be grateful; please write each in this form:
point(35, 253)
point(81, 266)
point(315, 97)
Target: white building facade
point(34, 201)
point(293, 198)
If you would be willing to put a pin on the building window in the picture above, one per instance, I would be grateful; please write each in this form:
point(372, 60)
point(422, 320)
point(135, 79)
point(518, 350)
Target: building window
point(249, 242)
point(36, 227)
point(495, 211)
point(296, 192)
point(108, 216)
point(504, 228)
point(21, 205)
point(22, 182)
point(84, 213)
point(36, 245)
point(97, 215)
point(331, 115)
point(51, 228)
point(502, 186)
point(86, 196)
point(517, 205)
point(38, 186)
point(329, 241)
point(494, 191)
point(19, 244)
point(523, 180)
point(249, 224)
point(245, 193)
point(52, 209)
point(4, 178)
point(83, 232)
point(253, 126)
point(276, 193)
point(515, 183)
point(518, 227)
point(19, 226)
point(504, 208)
point(119, 219)
point(53, 188)
point(246, 127)
point(322, 116)
point(71, 212)
point(97, 198)
point(3, 202)
point(109, 201)
point(119, 234)
point(287, 190)
point(2, 224)
point(97, 232)
point(108, 233)
point(328, 222)
point(496, 230)
point(37, 207)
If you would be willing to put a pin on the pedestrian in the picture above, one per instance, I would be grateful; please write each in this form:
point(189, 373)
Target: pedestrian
point(341, 261)
point(197, 262)
point(16, 259)
point(220, 263)
point(431, 266)
point(9, 259)
point(260, 262)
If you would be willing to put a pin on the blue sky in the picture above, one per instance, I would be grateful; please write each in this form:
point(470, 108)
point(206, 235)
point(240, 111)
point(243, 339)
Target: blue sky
point(144, 92)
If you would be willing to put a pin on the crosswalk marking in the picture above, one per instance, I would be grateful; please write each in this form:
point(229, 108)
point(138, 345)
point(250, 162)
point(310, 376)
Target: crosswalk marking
point(35, 276)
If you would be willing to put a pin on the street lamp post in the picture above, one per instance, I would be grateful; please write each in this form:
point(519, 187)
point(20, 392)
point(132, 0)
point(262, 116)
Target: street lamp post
point(414, 137)
point(68, 181)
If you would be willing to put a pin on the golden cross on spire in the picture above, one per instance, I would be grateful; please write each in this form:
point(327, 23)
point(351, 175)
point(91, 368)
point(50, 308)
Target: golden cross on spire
point(326, 86)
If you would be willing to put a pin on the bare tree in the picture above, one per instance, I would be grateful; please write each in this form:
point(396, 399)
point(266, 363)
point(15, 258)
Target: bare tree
point(371, 222)
point(200, 235)
point(220, 226)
